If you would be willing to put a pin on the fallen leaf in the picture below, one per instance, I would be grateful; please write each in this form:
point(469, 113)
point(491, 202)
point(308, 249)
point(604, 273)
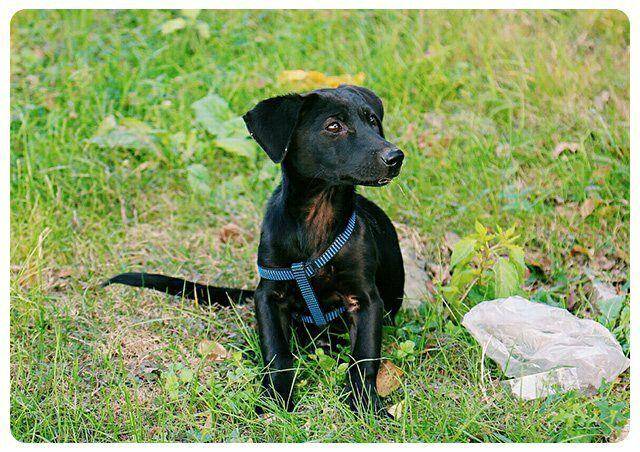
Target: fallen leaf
point(229, 232)
point(208, 422)
point(268, 418)
point(440, 273)
point(605, 298)
point(617, 437)
point(564, 146)
point(579, 249)
point(315, 79)
point(213, 350)
point(603, 262)
point(397, 410)
point(568, 210)
point(148, 371)
point(571, 300)
point(65, 273)
point(388, 378)
point(587, 207)
point(539, 260)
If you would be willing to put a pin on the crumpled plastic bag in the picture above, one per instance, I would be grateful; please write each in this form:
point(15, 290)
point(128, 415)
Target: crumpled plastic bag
point(545, 348)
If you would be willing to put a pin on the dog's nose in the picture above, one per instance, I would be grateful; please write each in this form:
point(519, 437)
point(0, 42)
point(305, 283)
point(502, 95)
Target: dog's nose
point(392, 156)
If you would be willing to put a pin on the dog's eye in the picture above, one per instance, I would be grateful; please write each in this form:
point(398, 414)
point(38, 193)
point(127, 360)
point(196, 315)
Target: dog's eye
point(334, 127)
point(373, 120)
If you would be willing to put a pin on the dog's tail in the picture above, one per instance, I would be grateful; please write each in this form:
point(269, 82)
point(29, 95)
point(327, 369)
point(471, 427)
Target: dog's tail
point(203, 294)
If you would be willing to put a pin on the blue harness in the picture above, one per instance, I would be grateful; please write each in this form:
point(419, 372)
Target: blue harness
point(300, 272)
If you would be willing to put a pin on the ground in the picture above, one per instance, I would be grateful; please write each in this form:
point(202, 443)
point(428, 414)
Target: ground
point(509, 118)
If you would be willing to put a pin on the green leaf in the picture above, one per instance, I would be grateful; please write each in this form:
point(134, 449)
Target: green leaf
point(506, 278)
point(462, 250)
point(461, 278)
point(212, 111)
point(609, 309)
point(516, 257)
point(128, 134)
point(238, 146)
point(198, 178)
point(407, 346)
point(480, 229)
point(186, 375)
point(173, 25)
point(450, 293)
point(171, 383)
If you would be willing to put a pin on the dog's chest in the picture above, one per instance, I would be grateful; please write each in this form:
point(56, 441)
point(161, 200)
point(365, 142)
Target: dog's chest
point(331, 290)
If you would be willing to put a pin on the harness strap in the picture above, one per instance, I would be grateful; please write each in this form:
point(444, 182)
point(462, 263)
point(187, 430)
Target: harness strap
point(300, 272)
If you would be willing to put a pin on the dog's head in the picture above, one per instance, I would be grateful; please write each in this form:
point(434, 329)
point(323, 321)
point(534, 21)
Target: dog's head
point(334, 135)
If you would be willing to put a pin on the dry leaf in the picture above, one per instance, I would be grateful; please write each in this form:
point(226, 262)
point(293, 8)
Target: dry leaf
point(568, 210)
point(579, 249)
point(587, 207)
point(397, 410)
point(617, 437)
point(602, 291)
point(539, 260)
point(230, 232)
point(571, 301)
point(315, 79)
point(564, 146)
point(388, 379)
point(208, 422)
point(440, 273)
point(65, 272)
point(213, 350)
point(603, 262)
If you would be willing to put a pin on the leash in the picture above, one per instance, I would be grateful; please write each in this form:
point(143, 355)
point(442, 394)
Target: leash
point(300, 272)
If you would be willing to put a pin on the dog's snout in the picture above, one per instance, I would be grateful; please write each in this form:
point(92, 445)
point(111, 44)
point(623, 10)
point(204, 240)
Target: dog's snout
point(392, 156)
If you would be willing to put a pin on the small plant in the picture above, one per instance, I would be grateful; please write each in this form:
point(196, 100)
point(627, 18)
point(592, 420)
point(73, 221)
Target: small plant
point(176, 376)
point(485, 266)
point(332, 370)
point(406, 351)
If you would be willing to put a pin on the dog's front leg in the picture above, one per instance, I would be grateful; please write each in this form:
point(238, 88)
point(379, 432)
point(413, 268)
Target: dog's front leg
point(273, 328)
point(366, 340)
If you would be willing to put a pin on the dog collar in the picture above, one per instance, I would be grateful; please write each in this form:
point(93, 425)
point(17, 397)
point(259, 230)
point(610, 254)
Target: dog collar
point(300, 272)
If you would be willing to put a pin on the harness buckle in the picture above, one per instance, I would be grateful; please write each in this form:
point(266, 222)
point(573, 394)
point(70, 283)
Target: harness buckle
point(312, 266)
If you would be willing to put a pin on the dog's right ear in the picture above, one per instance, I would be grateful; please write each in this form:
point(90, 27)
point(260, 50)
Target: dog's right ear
point(272, 122)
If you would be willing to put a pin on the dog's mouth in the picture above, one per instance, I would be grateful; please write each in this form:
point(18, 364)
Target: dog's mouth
point(374, 183)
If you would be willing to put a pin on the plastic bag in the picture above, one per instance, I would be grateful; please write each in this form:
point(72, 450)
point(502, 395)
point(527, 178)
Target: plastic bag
point(543, 347)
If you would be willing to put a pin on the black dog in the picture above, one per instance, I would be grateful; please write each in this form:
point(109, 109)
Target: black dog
point(327, 141)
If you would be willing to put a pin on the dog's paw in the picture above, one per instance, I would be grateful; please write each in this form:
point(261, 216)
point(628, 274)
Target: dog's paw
point(369, 403)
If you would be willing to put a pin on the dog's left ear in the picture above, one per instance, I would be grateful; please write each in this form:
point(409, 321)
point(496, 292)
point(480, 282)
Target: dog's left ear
point(370, 98)
point(272, 122)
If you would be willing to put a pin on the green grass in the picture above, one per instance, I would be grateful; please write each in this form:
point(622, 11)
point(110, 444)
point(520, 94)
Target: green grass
point(478, 100)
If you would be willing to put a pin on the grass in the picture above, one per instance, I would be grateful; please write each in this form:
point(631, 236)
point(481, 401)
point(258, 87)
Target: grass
point(478, 100)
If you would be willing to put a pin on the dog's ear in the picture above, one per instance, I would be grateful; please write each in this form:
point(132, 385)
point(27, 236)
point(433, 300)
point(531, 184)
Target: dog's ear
point(272, 122)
